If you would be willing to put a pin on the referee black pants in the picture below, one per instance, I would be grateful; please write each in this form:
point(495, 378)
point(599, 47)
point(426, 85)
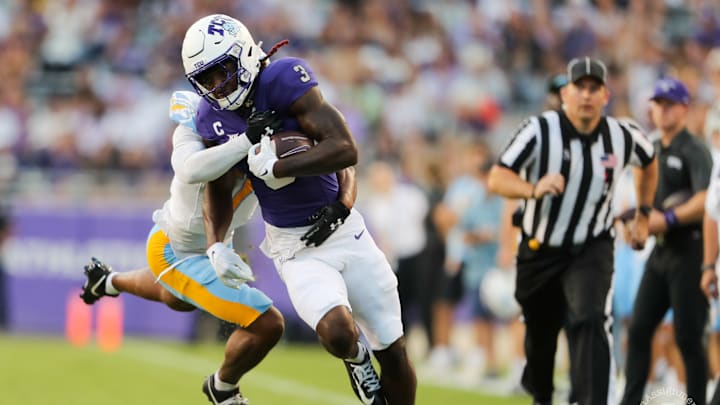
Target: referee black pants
point(567, 288)
point(671, 280)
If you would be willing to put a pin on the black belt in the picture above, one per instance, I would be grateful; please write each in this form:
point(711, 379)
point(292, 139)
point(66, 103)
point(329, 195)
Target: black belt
point(572, 249)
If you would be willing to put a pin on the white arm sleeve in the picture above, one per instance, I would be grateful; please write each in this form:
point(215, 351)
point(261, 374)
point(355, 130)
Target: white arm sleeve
point(194, 163)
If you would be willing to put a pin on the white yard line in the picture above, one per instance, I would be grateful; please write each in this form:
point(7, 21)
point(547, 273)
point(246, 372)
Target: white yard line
point(163, 356)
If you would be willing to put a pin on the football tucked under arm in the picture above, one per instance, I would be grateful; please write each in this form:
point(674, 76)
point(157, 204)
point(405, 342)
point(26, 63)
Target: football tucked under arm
point(264, 155)
point(288, 143)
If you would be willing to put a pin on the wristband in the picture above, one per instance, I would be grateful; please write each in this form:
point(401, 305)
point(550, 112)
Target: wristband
point(670, 218)
point(644, 210)
point(708, 266)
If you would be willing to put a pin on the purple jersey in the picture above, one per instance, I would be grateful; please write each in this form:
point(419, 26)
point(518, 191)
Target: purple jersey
point(279, 84)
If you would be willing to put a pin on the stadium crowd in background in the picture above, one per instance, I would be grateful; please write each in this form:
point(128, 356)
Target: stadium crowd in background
point(417, 80)
point(403, 72)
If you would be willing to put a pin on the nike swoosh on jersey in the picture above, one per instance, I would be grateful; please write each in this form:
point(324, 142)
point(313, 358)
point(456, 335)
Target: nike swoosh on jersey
point(357, 237)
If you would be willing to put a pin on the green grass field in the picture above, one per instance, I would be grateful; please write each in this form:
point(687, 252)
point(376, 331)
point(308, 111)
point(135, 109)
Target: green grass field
point(47, 370)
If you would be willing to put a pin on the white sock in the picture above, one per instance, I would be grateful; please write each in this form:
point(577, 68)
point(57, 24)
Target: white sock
point(109, 287)
point(221, 385)
point(360, 356)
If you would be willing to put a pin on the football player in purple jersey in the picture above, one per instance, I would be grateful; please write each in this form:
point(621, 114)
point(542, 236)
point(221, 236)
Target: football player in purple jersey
point(337, 278)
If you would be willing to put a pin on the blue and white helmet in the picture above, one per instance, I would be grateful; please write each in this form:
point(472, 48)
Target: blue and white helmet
point(220, 41)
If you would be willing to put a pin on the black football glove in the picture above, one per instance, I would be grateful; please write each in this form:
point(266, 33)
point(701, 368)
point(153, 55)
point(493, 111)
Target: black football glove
point(262, 123)
point(326, 221)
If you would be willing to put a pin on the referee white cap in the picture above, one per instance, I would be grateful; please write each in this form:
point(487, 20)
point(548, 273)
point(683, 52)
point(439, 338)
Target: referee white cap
point(586, 67)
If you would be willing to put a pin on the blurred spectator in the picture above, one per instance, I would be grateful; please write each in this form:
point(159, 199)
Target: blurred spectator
point(68, 27)
point(711, 130)
point(51, 141)
point(432, 264)
point(479, 224)
point(396, 211)
point(10, 135)
point(462, 191)
point(712, 137)
point(708, 29)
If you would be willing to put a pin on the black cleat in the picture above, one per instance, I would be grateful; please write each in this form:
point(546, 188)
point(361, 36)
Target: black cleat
point(217, 397)
point(365, 381)
point(96, 273)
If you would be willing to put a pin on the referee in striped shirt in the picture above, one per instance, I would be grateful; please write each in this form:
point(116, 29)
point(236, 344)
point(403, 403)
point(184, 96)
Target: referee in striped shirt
point(565, 164)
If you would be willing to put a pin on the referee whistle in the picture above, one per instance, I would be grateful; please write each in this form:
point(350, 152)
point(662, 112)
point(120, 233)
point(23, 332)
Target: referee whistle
point(534, 244)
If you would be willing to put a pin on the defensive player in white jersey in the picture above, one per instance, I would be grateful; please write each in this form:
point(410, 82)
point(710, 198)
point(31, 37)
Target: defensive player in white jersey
point(335, 274)
point(181, 275)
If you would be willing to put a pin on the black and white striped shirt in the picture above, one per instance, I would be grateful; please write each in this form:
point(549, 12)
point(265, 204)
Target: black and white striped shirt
point(590, 164)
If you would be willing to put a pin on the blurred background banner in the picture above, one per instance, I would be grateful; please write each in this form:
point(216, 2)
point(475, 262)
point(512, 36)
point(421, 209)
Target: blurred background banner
point(49, 245)
point(42, 262)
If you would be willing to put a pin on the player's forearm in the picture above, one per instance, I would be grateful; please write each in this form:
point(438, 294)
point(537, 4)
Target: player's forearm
point(328, 156)
point(710, 240)
point(646, 183)
point(194, 163)
point(217, 208)
point(693, 210)
point(347, 182)
point(336, 148)
point(509, 184)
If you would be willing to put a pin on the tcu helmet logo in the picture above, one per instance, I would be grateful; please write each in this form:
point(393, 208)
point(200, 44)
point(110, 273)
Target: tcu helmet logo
point(219, 25)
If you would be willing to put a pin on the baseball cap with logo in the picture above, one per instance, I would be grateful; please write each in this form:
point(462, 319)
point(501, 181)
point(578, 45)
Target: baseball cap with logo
point(670, 88)
point(586, 67)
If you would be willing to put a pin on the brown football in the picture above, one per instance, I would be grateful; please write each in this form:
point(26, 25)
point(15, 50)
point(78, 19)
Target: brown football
point(288, 143)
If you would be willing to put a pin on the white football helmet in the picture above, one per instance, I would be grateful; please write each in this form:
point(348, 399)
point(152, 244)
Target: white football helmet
point(219, 44)
point(497, 292)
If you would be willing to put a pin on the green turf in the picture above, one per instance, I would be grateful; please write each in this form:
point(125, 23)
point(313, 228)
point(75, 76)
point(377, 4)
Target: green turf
point(46, 370)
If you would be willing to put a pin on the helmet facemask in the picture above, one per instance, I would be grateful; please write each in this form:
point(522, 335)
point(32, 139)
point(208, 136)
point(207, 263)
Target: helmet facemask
point(229, 93)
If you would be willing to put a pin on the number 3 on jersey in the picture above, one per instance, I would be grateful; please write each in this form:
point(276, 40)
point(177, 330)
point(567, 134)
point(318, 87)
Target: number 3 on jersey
point(304, 76)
